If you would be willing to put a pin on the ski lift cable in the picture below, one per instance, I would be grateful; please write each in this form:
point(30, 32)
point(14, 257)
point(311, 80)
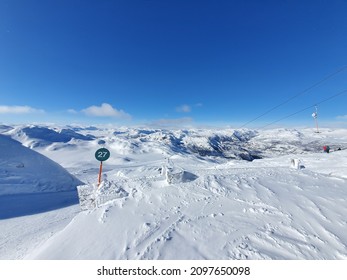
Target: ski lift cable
point(304, 109)
point(297, 95)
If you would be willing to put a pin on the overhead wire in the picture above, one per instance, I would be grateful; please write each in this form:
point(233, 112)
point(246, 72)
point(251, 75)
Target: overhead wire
point(297, 95)
point(304, 109)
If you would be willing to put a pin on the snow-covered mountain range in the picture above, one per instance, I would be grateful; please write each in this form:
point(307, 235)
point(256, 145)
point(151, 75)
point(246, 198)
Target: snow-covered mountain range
point(173, 194)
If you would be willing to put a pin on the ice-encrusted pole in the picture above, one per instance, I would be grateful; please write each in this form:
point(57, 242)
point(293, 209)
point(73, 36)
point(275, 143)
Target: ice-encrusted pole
point(315, 116)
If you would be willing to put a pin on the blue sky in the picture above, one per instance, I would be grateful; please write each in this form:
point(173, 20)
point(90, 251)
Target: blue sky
point(171, 62)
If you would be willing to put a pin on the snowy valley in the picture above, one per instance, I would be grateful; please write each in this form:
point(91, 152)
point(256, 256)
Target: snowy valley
point(173, 194)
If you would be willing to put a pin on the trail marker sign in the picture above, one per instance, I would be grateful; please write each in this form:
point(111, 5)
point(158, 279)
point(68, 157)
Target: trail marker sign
point(102, 154)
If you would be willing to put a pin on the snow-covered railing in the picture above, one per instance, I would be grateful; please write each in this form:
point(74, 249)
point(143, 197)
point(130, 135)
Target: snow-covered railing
point(86, 195)
point(91, 197)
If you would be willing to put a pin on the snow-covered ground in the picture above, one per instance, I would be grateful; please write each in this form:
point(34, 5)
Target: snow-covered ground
point(174, 194)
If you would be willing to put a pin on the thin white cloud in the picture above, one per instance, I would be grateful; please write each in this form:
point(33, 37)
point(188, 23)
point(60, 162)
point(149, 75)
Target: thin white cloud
point(72, 111)
point(184, 109)
point(105, 110)
point(342, 117)
point(172, 122)
point(187, 108)
point(19, 110)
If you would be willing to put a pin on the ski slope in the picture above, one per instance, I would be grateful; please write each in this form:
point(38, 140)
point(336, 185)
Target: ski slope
point(192, 194)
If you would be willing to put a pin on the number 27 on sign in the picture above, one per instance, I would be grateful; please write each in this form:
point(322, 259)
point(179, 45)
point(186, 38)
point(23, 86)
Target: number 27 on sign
point(101, 155)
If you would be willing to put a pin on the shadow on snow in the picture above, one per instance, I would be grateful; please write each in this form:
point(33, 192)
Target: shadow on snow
point(17, 205)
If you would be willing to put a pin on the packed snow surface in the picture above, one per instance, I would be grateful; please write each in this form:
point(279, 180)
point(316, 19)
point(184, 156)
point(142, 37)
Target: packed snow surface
point(180, 194)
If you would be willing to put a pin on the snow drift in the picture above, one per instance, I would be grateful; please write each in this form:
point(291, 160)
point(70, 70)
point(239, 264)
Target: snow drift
point(30, 183)
point(23, 170)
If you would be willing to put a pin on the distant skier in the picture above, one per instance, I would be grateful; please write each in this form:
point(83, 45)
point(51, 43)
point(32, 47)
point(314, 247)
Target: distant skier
point(326, 149)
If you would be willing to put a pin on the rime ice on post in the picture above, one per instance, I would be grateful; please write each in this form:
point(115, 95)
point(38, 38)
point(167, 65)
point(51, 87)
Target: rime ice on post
point(315, 116)
point(175, 175)
point(86, 195)
point(295, 163)
point(91, 197)
point(108, 191)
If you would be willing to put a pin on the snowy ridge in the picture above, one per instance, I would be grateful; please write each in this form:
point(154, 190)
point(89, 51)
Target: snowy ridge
point(25, 171)
point(40, 136)
point(204, 143)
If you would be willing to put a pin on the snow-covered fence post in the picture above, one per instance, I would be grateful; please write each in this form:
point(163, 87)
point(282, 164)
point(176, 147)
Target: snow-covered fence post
point(295, 163)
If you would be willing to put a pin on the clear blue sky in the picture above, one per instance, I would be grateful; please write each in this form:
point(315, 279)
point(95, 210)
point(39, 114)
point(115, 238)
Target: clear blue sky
point(166, 61)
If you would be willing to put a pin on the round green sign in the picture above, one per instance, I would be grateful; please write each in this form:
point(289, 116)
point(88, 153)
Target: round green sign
point(102, 154)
